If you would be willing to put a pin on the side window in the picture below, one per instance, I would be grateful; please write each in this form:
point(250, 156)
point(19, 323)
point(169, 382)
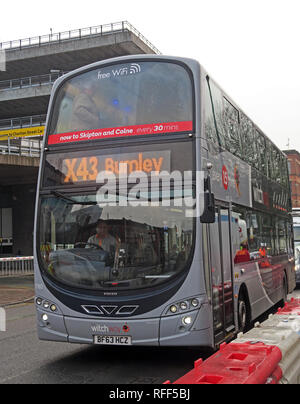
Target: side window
point(262, 156)
point(247, 139)
point(240, 242)
point(284, 172)
point(276, 165)
point(282, 233)
point(280, 236)
point(252, 235)
point(217, 99)
point(257, 235)
point(269, 159)
point(256, 151)
point(266, 234)
point(290, 235)
point(210, 127)
point(231, 129)
point(259, 227)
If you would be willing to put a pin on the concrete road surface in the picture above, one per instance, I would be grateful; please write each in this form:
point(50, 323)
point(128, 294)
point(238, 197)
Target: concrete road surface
point(24, 359)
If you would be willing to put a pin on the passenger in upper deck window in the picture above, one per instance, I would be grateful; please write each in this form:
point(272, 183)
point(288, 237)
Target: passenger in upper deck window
point(85, 113)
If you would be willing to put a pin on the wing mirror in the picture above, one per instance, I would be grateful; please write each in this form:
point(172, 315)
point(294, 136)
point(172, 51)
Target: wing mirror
point(209, 213)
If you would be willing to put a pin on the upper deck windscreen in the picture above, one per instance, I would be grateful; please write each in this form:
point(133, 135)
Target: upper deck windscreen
point(127, 99)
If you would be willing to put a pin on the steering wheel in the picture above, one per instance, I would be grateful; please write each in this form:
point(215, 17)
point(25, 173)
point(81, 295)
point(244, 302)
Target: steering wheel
point(82, 243)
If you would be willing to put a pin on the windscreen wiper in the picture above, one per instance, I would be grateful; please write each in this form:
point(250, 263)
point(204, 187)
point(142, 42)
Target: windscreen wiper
point(72, 201)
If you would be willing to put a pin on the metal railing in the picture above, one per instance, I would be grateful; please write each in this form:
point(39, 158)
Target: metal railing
point(32, 81)
point(16, 266)
point(23, 122)
point(21, 147)
point(78, 34)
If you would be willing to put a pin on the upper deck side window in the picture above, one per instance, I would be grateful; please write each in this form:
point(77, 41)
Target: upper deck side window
point(232, 130)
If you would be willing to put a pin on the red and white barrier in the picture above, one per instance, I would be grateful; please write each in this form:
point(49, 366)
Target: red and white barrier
point(290, 308)
point(267, 354)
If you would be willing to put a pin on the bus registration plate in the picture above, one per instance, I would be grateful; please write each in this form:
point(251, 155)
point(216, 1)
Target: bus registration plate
point(112, 340)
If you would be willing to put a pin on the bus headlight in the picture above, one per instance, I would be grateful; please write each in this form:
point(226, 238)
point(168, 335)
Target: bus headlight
point(187, 320)
point(46, 305)
point(195, 303)
point(183, 305)
point(173, 309)
point(39, 301)
point(45, 318)
point(53, 307)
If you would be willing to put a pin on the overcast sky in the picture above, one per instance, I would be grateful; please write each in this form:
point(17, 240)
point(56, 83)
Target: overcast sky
point(250, 47)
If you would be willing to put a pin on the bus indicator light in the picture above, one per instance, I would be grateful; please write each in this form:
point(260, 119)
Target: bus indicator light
point(183, 305)
point(195, 303)
point(46, 305)
point(39, 301)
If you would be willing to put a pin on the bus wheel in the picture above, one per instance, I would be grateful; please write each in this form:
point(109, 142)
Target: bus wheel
point(243, 314)
point(284, 290)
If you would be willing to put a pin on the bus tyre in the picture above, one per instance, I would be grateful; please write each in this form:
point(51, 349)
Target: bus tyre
point(284, 290)
point(243, 316)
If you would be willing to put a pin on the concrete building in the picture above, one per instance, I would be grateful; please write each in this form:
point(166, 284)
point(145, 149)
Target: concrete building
point(32, 66)
point(294, 168)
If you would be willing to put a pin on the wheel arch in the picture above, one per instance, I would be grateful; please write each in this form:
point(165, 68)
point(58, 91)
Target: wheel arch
point(243, 291)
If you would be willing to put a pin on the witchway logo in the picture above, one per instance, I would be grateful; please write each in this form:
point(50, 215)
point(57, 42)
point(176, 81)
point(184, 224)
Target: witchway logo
point(105, 329)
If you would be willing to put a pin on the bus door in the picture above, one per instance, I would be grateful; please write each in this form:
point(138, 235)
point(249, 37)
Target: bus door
point(221, 269)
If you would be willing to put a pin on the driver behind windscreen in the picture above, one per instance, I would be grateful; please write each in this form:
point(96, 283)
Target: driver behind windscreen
point(103, 239)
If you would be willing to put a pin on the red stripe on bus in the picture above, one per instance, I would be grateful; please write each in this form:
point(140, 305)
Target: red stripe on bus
point(137, 130)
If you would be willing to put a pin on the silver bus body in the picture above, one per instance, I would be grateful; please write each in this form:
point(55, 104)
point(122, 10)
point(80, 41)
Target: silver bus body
point(213, 279)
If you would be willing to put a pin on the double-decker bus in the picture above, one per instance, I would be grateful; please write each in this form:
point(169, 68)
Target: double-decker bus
point(163, 211)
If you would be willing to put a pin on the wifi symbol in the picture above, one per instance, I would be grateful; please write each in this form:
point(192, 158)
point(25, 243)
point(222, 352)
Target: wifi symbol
point(135, 68)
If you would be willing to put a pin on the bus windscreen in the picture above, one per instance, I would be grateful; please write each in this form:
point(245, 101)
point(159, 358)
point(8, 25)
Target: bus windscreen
point(130, 99)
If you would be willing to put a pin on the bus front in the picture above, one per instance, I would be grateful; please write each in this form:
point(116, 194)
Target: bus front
point(118, 245)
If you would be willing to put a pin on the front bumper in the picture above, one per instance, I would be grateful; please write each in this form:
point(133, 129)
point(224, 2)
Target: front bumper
point(164, 331)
